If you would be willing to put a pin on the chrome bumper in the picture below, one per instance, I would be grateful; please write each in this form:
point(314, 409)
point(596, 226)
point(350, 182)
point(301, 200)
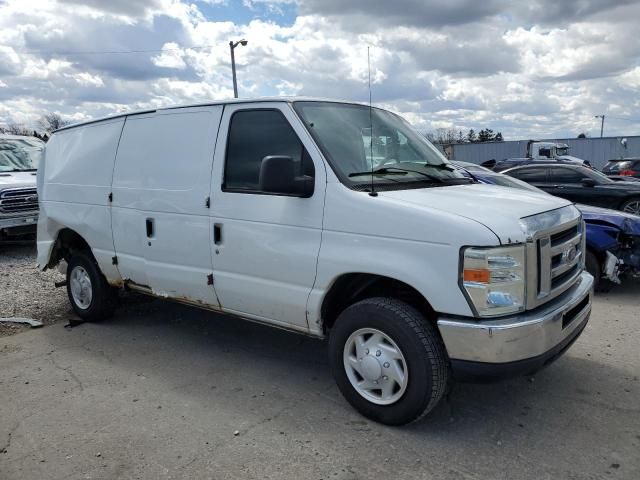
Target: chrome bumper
point(23, 221)
point(520, 337)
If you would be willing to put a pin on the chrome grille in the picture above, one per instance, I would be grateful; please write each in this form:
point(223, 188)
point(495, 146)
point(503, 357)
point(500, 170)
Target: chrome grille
point(18, 200)
point(556, 259)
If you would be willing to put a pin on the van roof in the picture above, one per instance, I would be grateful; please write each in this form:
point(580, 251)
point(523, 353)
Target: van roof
point(204, 104)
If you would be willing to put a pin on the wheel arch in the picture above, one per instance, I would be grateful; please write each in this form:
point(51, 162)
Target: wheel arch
point(67, 241)
point(350, 288)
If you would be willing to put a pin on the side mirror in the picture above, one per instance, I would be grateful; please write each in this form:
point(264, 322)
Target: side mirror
point(588, 182)
point(278, 175)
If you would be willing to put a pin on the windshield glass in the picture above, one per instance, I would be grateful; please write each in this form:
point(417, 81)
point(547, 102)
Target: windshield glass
point(392, 147)
point(19, 154)
point(598, 176)
point(560, 151)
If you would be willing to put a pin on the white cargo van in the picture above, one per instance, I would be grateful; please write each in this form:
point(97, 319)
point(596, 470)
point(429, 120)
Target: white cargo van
point(267, 210)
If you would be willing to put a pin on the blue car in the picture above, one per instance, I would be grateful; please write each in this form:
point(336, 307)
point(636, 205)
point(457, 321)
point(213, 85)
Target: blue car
point(613, 237)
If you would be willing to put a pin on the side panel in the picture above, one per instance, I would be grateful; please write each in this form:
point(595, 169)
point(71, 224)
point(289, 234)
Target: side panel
point(160, 186)
point(74, 184)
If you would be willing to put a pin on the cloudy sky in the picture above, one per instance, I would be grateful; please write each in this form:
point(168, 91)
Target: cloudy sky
point(535, 68)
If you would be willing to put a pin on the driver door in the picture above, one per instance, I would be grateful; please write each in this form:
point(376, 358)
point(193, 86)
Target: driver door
point(265, 245)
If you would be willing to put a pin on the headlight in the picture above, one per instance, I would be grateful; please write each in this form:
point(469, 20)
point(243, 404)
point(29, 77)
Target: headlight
point(494, 280)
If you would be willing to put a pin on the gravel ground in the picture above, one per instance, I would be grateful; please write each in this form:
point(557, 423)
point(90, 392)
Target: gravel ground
point(25, 291)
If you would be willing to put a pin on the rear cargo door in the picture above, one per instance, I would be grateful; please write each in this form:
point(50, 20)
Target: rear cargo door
point(160, 203)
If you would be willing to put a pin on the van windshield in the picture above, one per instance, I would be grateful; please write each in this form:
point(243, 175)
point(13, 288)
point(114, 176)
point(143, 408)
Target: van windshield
point(356, 140)
point(20, 154)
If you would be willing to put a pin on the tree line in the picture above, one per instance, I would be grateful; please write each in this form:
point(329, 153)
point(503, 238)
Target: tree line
point(451, 135)
point(47, 124)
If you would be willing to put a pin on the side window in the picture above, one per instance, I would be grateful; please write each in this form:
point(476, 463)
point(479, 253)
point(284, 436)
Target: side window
point(531, 175)
point(544, 152)
point(253, 135)
point(565, 175)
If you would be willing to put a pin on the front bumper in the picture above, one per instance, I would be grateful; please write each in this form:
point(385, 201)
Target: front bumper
point(518, 344)
point(22, 221)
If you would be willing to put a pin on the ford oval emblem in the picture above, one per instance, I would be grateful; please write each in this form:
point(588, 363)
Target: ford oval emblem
point(570, 254)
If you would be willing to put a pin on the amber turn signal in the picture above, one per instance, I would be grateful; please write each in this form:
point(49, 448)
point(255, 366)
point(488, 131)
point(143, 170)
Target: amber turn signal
point(476, 275)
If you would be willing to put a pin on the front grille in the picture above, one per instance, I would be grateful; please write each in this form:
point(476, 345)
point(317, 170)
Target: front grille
point(558, 254)
point(18, 200)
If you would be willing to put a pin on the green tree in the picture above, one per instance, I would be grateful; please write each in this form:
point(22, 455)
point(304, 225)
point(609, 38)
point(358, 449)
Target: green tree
point(471, 136)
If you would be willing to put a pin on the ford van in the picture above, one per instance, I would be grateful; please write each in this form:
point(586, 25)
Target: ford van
point(331, 219)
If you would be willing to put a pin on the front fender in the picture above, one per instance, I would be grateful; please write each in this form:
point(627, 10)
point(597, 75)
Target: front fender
point(601, 238)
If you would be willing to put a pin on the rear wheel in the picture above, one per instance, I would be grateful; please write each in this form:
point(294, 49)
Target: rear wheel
point(91, 297)
point(388, 361)
point(594, 268)
point(631, 206)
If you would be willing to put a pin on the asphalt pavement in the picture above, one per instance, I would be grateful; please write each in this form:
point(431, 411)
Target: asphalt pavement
point(165, 391)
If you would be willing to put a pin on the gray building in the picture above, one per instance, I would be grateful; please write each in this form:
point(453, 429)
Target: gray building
point(596, 150)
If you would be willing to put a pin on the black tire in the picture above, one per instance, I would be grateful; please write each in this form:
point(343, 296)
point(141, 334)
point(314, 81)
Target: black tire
point(593, 266)
point(423, 350)
point(103, 296)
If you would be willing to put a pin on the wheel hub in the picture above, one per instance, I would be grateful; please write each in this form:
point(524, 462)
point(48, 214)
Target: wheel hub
point(80, 286)
point(371, 368)
point(375, 366)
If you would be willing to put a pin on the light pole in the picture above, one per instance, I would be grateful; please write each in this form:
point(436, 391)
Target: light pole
point(601, 124)
point(232, 46)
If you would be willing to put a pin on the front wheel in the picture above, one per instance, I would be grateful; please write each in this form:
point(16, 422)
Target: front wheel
point(91, 296)
point(631, 206)
point(388, 361)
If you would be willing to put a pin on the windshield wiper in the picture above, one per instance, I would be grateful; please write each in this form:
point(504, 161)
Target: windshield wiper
point(23, 170)
point(440, 166)
point(396, 171)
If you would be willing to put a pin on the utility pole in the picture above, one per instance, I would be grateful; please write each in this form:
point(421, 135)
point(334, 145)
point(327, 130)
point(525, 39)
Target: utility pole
point(232, 46)
point(601, 124)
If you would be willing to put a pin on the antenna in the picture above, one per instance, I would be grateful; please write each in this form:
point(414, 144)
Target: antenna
point(373, 191)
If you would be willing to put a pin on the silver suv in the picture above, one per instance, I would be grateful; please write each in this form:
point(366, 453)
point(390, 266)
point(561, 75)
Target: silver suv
point(19, 159)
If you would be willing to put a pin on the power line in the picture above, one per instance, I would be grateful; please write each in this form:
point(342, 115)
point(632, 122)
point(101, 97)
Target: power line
point(625, 118)
point(111, 52)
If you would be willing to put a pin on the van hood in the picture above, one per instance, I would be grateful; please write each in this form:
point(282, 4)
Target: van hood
point(17, 179)
point(497, 208)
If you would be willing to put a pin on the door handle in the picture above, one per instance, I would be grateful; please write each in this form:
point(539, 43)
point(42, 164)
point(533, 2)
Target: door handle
point(217, 233)
point(150, 227)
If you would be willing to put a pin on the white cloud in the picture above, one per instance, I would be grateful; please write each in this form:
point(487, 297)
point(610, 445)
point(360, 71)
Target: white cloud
point(171, 57)
point(544, 68)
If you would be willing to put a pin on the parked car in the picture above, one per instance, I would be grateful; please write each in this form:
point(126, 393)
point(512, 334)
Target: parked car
point(612, 237)
point(19, 159)
point(281, 212)
point(621, 178)
point(624, 167)
point(470, 167)
point(538, 153)
point(581, 185)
